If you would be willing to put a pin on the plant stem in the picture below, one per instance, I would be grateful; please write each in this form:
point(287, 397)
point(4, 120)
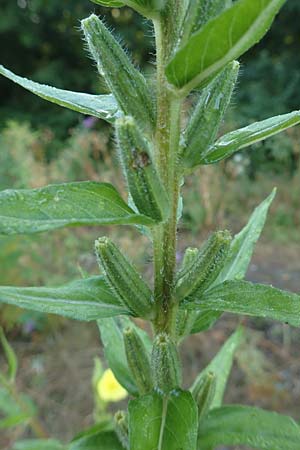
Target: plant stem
point(166, 151)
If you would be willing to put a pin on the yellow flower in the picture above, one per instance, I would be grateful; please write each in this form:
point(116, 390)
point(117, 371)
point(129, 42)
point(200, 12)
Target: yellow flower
point(109, 389)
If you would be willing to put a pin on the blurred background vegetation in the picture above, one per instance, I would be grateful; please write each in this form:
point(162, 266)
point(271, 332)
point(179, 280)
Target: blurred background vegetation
point(41, 143)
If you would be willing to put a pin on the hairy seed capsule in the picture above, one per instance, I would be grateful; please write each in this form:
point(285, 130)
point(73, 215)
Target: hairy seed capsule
point(124, 279)
point(204, 268)
point(121, 427)
point(125, 81)
point(203, 126)
point(138, 360)
point(145, 187)
point(203, 392)
point(165, 364)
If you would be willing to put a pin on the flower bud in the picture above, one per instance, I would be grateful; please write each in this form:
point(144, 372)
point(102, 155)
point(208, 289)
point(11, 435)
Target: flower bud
point(121, 427)
point(203, 392)
point(127, 84)
point(165, 364)
point(204, 269)
point(125, 281)
point(203, 126)
point(144, 184)
point(138, 360)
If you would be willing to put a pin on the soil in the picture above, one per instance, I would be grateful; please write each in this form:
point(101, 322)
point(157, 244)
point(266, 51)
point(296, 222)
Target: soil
point(56, 369)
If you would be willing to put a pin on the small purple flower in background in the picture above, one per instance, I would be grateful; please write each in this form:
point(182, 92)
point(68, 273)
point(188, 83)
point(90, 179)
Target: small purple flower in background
point(89, 122)
point(29, 326)
point(179, 256)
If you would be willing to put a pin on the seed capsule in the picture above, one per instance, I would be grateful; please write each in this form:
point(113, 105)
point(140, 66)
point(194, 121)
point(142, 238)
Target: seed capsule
point(138, 360)
point(204, 269)
point(165, 364)
point(203, 392)
point(127, 84)
point(124, 279)
point(203, 126)
point(145, 187)
point(121, 427)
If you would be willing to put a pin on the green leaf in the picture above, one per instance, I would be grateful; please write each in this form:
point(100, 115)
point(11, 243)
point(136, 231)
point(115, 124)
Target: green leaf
point(102, 106)
point(242, 246)
point(96, 438)
point(205, 320)
point(243, 297)
point(39, 444)
point(163, 423)
point(254, 427)
point(198, 13)
point(111, 331)
point(221, 366)
point(86, 299)
point(256, 132)
point(59, 205)
point(220, 41)
point(10, 356)
point(13, 421)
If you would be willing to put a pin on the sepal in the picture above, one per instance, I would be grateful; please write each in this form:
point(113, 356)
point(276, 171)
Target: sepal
point(121, 428)
point(138, 360)
point(203, 126)
point(165, 364)
point(145, 186)
point(203, 392)
point(124, 279)
point(204, 268)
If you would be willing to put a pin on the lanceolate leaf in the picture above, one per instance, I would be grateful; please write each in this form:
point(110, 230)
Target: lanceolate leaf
point(254, 427)
point(103, 106)
point(239, 139)
point(205, 320)
point(111, 331)
point(87, 299)
point(243, 297)
point(243, 244)
point(220, 41)
point(96, 438)
point(31, 211)
point(163, 423)
point(221, 366)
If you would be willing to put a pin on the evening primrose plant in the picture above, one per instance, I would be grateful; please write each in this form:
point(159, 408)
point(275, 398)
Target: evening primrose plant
point(198, 43)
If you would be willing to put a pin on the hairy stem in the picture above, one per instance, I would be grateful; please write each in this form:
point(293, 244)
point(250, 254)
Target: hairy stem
point(167, 142)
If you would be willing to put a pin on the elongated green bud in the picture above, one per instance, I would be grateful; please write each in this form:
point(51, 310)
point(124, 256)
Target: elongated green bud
point(127, 84)
point(203, 392)
point(124, 279)
point(208, 114)
point(138, 360)
point(144, 184)
point(204, 268)
point(165, 364)
point(121, 427)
